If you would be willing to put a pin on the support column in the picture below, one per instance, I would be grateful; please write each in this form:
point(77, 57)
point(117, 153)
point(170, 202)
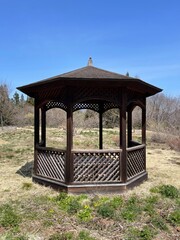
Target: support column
point(144, 123)
point(144, 131)
point(43, 127)
point(100, 127)
point(123, 136)
point(69, 157)
point(129, 127)
point(36, 133)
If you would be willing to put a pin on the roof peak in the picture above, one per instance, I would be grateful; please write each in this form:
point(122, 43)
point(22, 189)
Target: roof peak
point(90, 62)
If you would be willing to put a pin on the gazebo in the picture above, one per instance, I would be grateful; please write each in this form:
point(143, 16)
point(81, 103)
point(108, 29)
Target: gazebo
point(82, 170)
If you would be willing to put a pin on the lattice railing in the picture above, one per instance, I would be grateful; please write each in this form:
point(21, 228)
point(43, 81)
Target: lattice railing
point(96, 166)
point(135, 160)
point(51, 163)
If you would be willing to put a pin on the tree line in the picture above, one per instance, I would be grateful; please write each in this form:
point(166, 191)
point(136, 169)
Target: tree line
point(163, 113)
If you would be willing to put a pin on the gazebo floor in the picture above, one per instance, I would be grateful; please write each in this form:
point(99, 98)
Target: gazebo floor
point(91, 188)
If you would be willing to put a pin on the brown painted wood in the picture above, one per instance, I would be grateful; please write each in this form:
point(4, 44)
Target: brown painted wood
point(36, 134)
point(144, 123)
point(43, 127)
point(69, 158)
point(123, 136)
point(98, 90)
point(100, 130)
point(96, 151)
point(129, 127)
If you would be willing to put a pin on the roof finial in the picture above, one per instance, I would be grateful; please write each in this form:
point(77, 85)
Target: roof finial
point(90, 62)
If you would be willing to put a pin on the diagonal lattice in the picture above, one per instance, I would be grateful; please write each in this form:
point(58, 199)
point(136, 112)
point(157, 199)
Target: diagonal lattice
point(56, 104)
point(96, 166)
point(51, 164)
point(135, 161)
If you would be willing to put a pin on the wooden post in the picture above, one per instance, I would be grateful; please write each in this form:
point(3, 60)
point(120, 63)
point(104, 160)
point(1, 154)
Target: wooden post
point(36, 134)
point(100, 127)
point(69, 157)
point(123, 136)
point(144, 131)
point(144, 123)
point(129, 127)
point(43, 127)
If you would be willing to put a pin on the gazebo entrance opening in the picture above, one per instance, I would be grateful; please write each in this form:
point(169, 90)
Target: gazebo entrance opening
point(102, 169)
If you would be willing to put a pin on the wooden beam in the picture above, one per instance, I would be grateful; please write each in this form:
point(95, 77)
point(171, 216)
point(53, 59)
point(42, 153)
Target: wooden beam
point(123, 136)
point(100, 127)
point(144, 123)
point(43, 127)
point(144, 130)
point(129, 127)
point(69, 157)
point(36, 134)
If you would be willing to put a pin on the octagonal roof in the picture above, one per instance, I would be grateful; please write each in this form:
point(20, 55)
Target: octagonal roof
point(91, 76)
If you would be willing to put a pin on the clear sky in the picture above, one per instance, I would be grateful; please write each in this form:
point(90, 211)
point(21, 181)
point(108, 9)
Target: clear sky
point(43, 38)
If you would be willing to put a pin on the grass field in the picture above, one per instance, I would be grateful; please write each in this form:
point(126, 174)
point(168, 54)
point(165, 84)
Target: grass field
point(30, 211)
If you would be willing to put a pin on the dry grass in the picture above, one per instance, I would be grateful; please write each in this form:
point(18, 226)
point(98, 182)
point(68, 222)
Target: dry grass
point(16, 150)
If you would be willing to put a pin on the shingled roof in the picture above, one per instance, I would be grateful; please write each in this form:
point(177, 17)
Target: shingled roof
point(93, 75)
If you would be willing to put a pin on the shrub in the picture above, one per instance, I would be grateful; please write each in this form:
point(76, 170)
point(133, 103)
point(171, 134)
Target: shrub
point(8, 216)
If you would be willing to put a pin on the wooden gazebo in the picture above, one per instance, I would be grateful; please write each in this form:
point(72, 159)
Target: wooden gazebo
point(85, 170)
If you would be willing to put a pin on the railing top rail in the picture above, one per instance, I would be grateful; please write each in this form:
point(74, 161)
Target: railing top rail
point(135, 148)
point(50, 149)
point(96, 151)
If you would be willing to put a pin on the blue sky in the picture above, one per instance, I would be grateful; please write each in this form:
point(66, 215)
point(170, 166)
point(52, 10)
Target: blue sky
point(43, 38)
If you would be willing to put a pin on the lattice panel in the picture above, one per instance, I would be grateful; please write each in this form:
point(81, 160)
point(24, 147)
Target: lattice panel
point(51, 164)
point(107, 94)
point(96, 167)
point(135, 162)
point(54, 104)
point(110, 105)
point(92, 106)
